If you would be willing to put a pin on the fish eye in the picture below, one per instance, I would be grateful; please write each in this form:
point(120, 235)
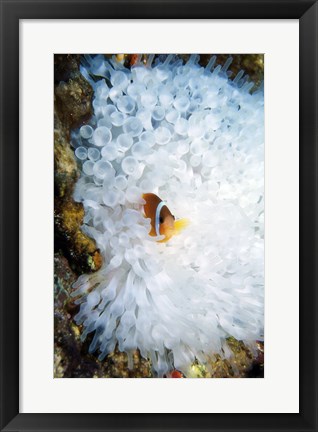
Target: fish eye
point(161, 219)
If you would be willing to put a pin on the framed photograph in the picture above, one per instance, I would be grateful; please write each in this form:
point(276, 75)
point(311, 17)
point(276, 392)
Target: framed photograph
point(159, 295)
point(159, 215)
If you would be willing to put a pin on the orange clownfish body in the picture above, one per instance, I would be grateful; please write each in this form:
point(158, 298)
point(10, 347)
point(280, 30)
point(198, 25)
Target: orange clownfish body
point(162, 220)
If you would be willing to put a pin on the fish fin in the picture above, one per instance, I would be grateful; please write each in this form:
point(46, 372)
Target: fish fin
point(163, 240)
point(180, 224)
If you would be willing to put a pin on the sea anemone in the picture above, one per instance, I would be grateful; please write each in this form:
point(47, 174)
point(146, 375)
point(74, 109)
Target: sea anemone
point(195, 138)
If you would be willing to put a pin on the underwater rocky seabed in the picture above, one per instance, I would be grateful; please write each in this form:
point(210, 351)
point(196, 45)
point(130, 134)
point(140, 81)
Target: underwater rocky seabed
point(75, 253)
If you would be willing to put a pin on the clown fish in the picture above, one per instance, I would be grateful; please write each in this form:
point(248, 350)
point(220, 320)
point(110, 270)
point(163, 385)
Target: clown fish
point(162, 220)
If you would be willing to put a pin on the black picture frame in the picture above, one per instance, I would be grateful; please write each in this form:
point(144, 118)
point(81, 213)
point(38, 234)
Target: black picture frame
point(11, 12)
